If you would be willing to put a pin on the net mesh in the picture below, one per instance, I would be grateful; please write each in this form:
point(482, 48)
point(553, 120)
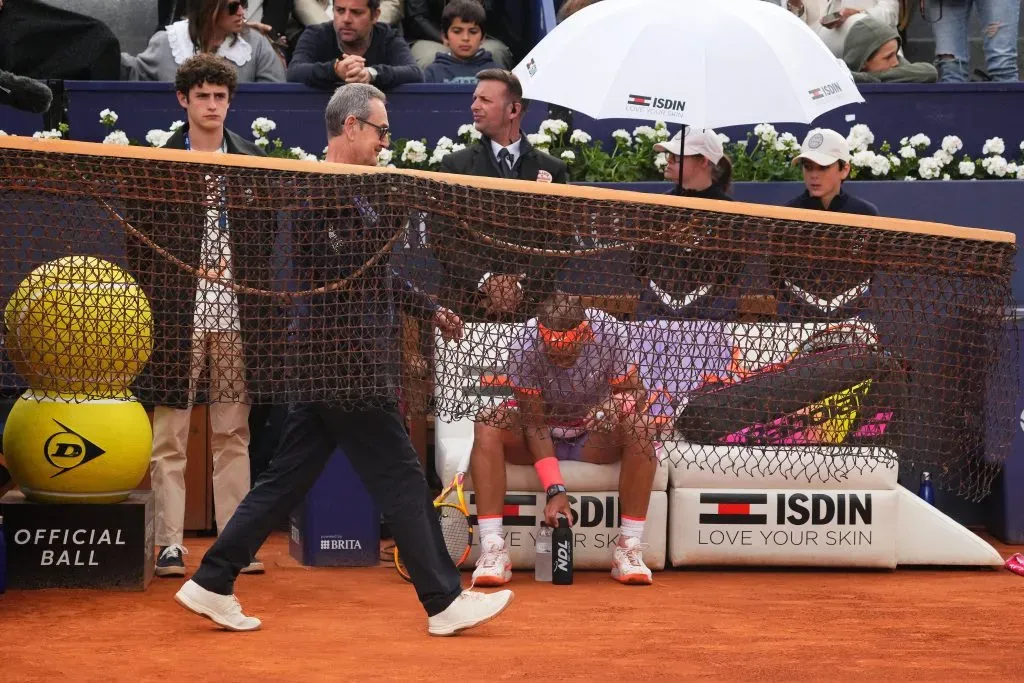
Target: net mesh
point(756, 342)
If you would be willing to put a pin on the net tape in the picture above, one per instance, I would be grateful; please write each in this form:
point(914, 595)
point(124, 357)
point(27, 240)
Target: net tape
point(657, 325)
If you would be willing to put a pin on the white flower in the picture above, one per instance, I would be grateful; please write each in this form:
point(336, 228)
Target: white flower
point(539, 139)
point(943, 157)
point(439, 153)
point(909, 177)
point(116, 137)
point(895, 161)
point(904, 142)
point(262, 126)
point(946, 176)
point(1020, 172)
point(568, 155)
point(661, 161)
point(108, 117)
point(787, 142)
point(995, 166)
point(860, 137)
point(52, 134)
point(176, 125)
point(1022, 145)
point(298, 152)
point(415, 152)
point(951, 144)
point(766, 132)
point(621, 135)
point(863, 158)
point(157, 137)
point(468, 129)
point(311, 157)
point(929, 168)
point(723, 139)
point(1011, 169)
point(994, 146)
point(645, 133)
point(580, 137)
point(920, 140)
point(880, 166)
point(908, 153)
point(3, 133)
point(445, 143)
point(262, 142)
point(661, 131)
point(383, 157)
point(553, 127)
point(966, 168)
point(458, 146)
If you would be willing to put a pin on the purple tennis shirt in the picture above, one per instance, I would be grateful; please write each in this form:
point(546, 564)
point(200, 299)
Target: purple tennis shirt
point(571, 393)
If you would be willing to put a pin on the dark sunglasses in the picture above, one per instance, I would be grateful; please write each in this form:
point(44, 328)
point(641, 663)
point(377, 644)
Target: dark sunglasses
point(382, 131)
point(232, 7)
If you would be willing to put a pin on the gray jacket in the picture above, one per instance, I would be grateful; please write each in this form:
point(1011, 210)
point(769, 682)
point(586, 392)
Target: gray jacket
point(158, 63)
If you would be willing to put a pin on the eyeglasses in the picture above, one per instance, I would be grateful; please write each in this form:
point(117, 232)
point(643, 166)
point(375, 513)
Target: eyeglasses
point(384, 132)
point(232, 7)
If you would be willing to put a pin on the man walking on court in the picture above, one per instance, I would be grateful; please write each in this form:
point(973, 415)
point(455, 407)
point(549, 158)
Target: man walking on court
point(372, 434)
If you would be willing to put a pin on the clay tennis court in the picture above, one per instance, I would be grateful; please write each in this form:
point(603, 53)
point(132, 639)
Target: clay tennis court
point(365, 624)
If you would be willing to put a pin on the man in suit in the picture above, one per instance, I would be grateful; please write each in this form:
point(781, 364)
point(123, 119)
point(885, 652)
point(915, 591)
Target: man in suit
point(502, 276)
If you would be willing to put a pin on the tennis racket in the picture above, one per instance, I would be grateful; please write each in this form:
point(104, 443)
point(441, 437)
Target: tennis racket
point(454, 517)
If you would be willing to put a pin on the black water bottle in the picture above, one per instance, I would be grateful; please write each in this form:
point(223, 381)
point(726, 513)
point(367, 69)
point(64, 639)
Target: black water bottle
point(561, 553)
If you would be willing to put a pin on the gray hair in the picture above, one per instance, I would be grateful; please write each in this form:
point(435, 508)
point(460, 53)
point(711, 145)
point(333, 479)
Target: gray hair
point(350, 100)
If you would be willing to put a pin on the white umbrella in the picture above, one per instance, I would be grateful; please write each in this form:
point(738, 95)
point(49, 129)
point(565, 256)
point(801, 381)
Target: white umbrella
point(703, 63)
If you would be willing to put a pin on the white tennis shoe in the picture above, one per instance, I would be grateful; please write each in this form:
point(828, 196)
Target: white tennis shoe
point(468, 610)
point(628, 563)
point(223, 610)
point(494, 566)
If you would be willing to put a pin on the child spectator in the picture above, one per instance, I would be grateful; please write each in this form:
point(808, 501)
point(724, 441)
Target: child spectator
point(462, 24)
point(872, 52)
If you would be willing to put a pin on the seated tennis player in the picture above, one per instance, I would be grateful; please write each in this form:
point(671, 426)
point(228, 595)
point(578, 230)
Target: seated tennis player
point(577, 396)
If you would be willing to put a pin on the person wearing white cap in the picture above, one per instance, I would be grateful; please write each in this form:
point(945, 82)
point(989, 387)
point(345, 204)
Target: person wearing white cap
point(680, 282)
point(825, 160)
point(707, 171)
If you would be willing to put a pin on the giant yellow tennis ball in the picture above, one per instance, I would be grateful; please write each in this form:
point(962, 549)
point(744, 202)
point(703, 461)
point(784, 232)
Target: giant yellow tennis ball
point(79, 325)
point(68, 449)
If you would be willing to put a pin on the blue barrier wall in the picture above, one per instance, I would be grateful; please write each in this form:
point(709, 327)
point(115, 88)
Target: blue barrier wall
point(974, 111)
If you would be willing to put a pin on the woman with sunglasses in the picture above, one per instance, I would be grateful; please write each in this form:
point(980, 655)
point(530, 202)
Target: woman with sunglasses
point(214, 26)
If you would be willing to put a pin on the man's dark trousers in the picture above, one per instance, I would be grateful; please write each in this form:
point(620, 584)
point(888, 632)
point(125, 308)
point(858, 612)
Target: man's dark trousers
point(379, 449)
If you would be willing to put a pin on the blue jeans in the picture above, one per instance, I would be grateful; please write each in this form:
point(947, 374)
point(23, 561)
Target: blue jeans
point(999, 22)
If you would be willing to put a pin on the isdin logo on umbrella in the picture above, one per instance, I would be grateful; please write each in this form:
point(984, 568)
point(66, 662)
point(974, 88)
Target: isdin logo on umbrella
point(825, 91)
point(654, 104)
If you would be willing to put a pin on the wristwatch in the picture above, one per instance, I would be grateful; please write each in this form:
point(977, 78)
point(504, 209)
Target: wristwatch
point(554, 490)
point(373, 73)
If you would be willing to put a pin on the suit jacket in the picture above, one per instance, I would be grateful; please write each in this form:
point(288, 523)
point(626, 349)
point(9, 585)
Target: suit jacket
point(466, 257)
point(167, 205)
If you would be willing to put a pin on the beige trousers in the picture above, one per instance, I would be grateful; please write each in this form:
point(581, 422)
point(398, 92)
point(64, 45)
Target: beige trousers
point(229, 419)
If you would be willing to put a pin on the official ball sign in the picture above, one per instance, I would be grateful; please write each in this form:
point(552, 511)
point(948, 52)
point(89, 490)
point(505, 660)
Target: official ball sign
point(79, 545)
point(787, 527)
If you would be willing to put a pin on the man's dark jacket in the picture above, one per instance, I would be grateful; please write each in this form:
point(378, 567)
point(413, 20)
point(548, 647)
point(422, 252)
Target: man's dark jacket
point(499, 232)
point(167, 205)
point(318, 47)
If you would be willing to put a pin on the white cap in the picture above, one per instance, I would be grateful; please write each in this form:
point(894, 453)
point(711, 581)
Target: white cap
point(824, 147)
point(702, 141)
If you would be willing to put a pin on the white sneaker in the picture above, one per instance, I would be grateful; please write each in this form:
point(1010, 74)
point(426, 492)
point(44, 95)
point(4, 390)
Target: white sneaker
point(628, 563)
point(223, 610)
point(468, 610)
point(254, 567)
point(494, 566)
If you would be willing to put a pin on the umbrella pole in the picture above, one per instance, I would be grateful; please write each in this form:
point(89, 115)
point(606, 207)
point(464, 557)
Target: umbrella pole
point(682, 145)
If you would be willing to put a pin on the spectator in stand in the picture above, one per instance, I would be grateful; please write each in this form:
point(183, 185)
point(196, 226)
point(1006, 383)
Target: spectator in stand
point(40, 41)
point(463, 25)
point(707, 171)
point(825, 160)
point(873, 54)
point(213, 26)
point(1000, 21)
point(833, 19)
point(423, 28)
point(353, 48)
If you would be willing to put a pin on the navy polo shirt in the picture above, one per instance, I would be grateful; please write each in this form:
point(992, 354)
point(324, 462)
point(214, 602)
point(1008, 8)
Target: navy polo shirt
point(841, 203)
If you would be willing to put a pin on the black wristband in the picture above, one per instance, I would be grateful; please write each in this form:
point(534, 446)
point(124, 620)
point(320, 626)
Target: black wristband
point(554, 490)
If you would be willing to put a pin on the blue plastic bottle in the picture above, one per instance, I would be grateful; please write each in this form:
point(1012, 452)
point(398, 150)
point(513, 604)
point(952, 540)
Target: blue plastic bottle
point(927, 491)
